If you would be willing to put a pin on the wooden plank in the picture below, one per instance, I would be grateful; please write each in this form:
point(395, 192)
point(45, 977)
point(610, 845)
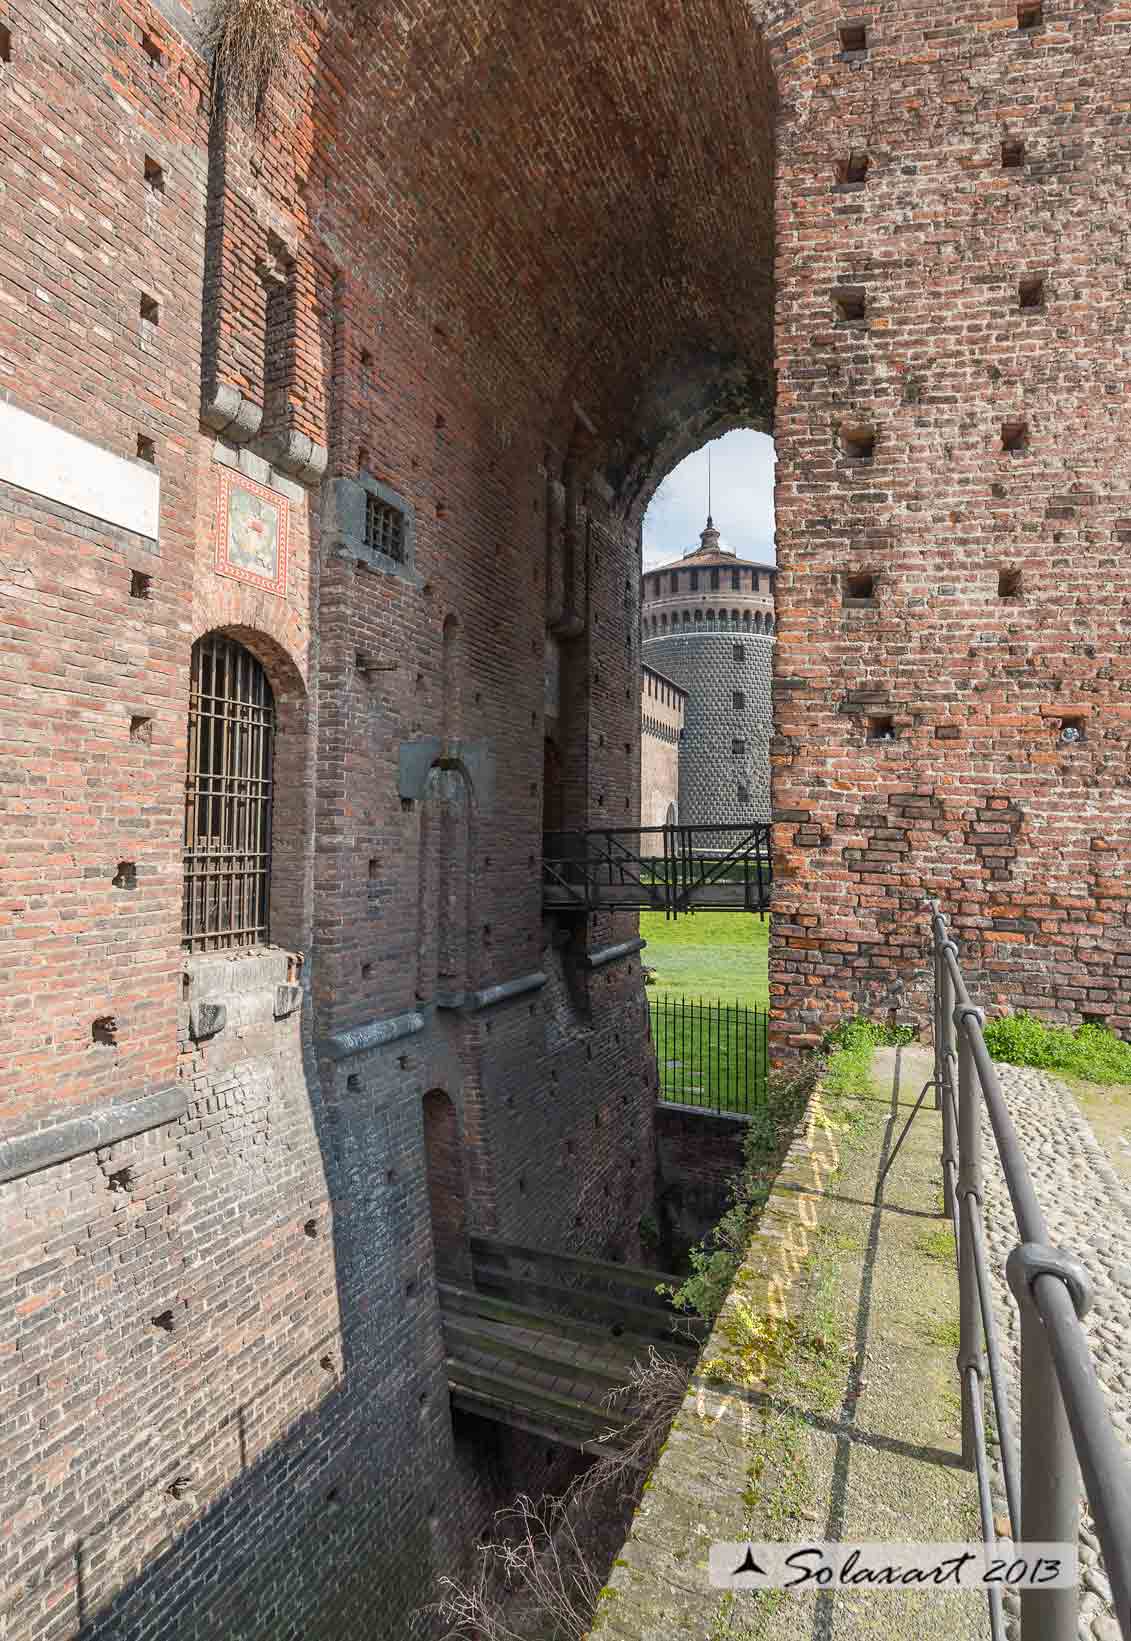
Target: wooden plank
point(484, 1408)
point(472, 1302)
point(652, 1325)
point(511, 1391)
point(632, 1276)
point(607, 1373)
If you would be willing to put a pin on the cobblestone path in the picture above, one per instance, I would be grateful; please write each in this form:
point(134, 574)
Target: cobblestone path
point(1088, 1210)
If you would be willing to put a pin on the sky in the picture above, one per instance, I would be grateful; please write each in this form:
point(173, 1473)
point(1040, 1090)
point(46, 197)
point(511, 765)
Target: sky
point(742, 500)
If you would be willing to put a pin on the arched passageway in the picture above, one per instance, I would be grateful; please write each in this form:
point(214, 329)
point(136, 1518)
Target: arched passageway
point(447, 1197)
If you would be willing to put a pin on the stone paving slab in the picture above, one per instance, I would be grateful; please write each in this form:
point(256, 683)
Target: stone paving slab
point(845, 1424)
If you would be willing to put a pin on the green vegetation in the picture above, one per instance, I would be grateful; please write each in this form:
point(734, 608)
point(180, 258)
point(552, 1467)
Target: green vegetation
point(845, 1071)
point(708, 954)
point(710, 1053)
point(937, 1244)
point(850, 1047)
point(715, 1261)
point(1090, 1051)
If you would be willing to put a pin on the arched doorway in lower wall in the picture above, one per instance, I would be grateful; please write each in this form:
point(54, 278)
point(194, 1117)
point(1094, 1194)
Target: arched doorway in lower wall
point(443, 1161)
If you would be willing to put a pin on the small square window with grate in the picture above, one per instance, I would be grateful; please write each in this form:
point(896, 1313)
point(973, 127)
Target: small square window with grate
point(384, 528)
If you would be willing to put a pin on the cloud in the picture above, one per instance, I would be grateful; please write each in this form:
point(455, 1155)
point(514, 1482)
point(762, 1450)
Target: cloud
point(742, 500)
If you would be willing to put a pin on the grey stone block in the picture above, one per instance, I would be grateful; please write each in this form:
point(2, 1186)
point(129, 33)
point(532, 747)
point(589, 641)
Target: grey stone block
point(287, 999)
point(22, 1154)
point(206, 1019)
point(343, 524)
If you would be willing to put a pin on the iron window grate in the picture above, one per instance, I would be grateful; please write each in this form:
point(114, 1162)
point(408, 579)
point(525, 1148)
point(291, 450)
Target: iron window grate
point(384, 528)
point(227, 842)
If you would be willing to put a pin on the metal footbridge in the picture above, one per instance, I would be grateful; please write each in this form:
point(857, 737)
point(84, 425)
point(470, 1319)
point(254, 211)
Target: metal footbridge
point(670, 869)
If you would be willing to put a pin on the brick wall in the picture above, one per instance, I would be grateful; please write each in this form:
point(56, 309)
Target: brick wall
point(662, 709)
point(460, 262)
point(964, 199)
point(698, 1155)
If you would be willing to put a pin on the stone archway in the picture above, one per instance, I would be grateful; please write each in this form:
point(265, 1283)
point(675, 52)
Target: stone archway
point(447, 1195)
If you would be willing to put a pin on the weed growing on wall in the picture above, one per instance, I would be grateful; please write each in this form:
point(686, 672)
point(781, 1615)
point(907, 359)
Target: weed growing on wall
point(715, 1260)
point(249, 41)
point(850, 1046)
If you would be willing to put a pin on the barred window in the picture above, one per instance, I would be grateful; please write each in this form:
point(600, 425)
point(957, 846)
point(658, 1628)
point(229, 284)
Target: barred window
point(384, 528)
point(227, 848)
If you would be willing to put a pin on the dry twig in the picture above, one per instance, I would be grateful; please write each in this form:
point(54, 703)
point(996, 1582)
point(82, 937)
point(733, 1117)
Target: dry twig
point(249, 41)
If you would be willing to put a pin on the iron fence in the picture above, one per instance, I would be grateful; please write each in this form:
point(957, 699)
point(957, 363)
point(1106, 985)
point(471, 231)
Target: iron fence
point(710, 1054)
point(1065, 1428)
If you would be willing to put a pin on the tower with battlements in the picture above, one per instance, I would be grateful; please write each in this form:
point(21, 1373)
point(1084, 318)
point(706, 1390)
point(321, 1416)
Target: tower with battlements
point(707, 624)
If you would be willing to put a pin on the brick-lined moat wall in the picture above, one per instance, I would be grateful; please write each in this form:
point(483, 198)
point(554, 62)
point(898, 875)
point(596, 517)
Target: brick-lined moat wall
point(504, 270)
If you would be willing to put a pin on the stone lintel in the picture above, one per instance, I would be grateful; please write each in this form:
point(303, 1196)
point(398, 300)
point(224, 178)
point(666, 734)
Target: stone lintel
point(612, 954)
point(342, 1045)
point(490, 995)
point(22, 1154)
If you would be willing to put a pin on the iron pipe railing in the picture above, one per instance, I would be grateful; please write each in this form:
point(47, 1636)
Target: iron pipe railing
point(1065, 1428)
point(673, 869)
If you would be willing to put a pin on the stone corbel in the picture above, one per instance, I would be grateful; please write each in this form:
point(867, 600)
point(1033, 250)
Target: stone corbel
point(294, 453)
point(207, 1019)
point(225, 410)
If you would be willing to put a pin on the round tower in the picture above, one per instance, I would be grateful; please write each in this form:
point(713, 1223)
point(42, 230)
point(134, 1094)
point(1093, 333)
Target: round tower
point(707, 623)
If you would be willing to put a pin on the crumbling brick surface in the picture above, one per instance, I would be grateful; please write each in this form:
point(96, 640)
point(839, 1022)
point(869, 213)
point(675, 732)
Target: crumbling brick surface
point(515, 265)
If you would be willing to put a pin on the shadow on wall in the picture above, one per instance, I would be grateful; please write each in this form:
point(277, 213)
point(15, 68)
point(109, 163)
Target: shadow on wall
point(322, 1481)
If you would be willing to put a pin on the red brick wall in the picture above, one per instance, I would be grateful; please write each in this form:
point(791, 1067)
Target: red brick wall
point(517, 253)
point(1026, 840)
point(662, 707)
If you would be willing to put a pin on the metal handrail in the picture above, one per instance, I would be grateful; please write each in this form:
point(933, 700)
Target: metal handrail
point(1066, 1429)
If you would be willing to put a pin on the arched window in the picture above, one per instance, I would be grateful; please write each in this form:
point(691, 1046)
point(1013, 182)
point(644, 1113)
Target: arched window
point(227, 846)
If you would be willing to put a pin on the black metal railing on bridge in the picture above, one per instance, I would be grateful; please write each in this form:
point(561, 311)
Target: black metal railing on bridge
point(1065, 1429)
point(670, 869)
point(710, 1054)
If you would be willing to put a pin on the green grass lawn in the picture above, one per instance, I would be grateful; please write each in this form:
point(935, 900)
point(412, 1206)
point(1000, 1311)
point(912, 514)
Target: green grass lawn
point(709, 1054)
point(720, 955)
